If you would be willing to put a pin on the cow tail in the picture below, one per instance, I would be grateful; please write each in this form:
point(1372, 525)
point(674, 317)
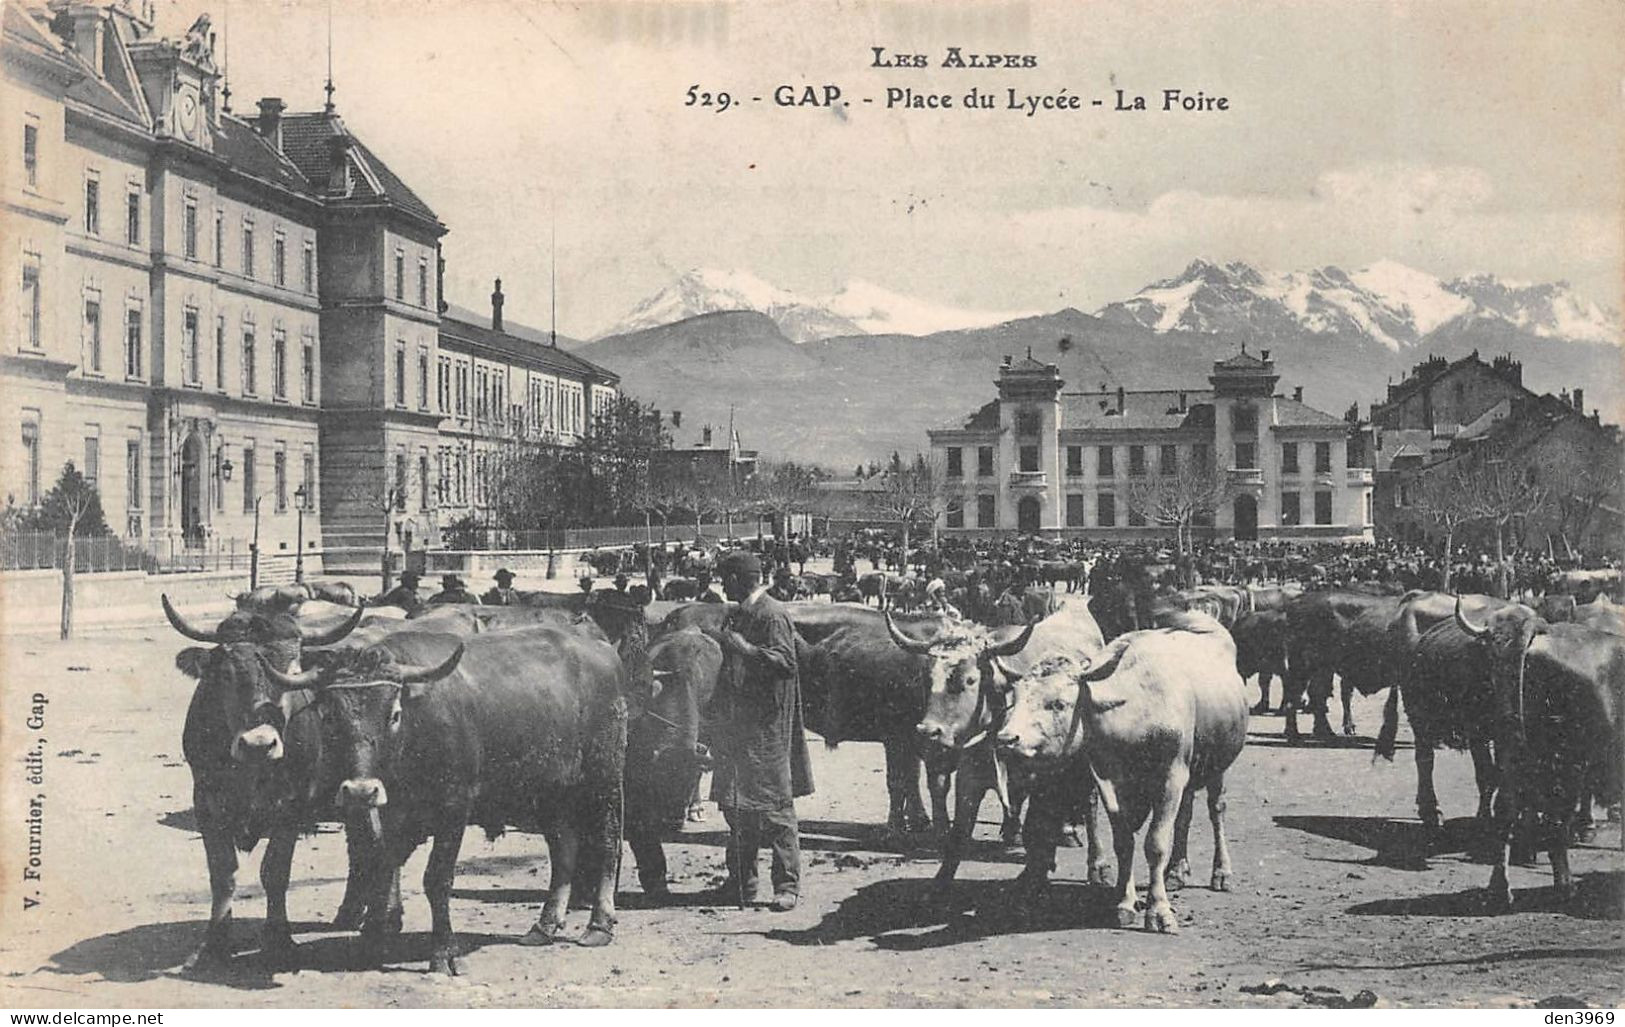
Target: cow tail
point(1390, 726)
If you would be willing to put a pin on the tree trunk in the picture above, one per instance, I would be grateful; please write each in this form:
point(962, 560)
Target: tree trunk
point(1444, 569)
point(69, 565)
point(1500, 563)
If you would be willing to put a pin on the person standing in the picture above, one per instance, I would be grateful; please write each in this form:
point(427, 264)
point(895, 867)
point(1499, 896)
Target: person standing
point(504, 594)
point(762, 764)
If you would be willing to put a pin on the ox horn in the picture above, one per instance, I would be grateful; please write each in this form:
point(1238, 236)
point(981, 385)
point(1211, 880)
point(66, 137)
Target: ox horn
point(1475, 630)
point(408, 675)
point(313, 678)
point(1015, 645)
point(179, 624)
point(328, 637)
point(1103, 664)
point(907, 644)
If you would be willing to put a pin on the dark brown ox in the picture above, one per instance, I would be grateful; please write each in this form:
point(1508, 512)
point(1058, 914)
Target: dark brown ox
point(1156, 716)
point(257, 766)
point(522, 728)
point(1335, 632)
point(967, 677)
point(1558, 691)
point(1261, 649)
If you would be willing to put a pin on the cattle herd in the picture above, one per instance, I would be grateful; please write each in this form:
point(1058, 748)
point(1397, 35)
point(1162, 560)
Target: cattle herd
point(1066, 682)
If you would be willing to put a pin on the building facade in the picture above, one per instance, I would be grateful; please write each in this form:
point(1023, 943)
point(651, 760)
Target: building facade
point(233, 325)
point(1041, 459)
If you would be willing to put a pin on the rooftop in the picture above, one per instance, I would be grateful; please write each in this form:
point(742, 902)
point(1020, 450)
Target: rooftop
point(523, 351)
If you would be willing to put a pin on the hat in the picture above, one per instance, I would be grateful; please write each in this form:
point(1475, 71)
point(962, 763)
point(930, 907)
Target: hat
point(503, 575)
point(740, 561)
point(410, 577)
point(450, 581)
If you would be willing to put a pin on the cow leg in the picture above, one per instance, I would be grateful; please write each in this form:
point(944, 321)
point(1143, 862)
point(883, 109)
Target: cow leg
point(1499, 893)
point(222, 858)
point(1179, 864)
point(1348, 709)
point(605, 839)
point(1216, 805)
point(938, 780)
point(384, 880)
point(1427, 801)
point(1010, 827)
point(1159, 839)
point(563, 849)
point(1560, 817)
point(1263, 706)
point(1487, 778)
point(1293, 687)
point(437, 878)
point(1320, 696)
point(276, 938)
point(1585, 825)
point(969, 791)
point(1039, 836)
point(358, 850)
point(1130, 815)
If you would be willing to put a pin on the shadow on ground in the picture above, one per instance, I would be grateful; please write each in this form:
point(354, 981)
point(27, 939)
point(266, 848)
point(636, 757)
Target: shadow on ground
point(1398, 844)
point(1598, 896)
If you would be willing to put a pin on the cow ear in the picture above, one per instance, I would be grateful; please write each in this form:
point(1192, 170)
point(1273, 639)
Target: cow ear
point(416, 691)
point(189, 661)
point(1099, 696)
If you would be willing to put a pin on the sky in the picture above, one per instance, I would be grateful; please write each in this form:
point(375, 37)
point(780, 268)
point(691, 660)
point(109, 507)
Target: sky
point(1455, 137)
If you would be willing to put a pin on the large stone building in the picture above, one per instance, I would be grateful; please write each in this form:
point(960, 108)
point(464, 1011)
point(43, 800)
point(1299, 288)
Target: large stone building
point(224, 320)
point(1041, 459)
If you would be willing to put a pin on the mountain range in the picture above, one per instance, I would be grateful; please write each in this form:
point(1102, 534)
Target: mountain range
point(828, 381)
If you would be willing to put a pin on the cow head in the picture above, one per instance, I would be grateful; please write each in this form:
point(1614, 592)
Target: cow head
point(1050, 704)
point(1508, 632)
point(234, 675)
point(965, 682)
point(365, 695)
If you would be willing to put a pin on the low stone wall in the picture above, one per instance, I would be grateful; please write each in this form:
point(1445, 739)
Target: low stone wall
point(31, 601)
point(479, 565)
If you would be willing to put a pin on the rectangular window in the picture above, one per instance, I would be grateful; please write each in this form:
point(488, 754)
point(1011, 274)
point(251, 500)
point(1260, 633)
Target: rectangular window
point(1244, 420)
point(1074, 509)
point(132, 343)
point(462, 478)
point(442, 384)
point(1027, 422)
point(1291, 514)
point(424, 486)
point(248, 248)
point(220, 478)
point(984, 511)
point(219, 238)
point(307, 267)
point(191, 355)
point(400, 275)
point(1168, 458)
point(399, 490)
point(220, 352)
point(308, 481)
point(93, 206)
point(189, 228)
point(31, 154)
point(956, 513)
point(1289, 458)
point(1136, 516)
point(279, 364)
point(423, 283)
point(93, 461)
point(400, 374)
point(279, 478)
point(132, 474)
point(132, 218)
point(1136, 461)
point(984, 461)
point(31, 462)
point(1103, 463)
point(462, 390)
point(250, 382)
point(423, 379)
point(1106, 510)
point(956, 462)
point(1029, 458)
point(307, 371)
point(93, 334)
point(248, 479)
point(279, 260)
point(1074, 461)
point(1246, 455)
point(1323, 508)
point(1323, 458)
point(32, 337)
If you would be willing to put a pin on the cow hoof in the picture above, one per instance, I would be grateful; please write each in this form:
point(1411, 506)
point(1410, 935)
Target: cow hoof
point(208, 956)
point(1292, 735)
point(541, 934)
point(1261, 709)
point(350, 916)
point(385, 924)
point(1126, 916)
point(1101, 873)
point(1432, 821)
point(446, 961)
point(277, 948)
point(1221, 880)
point(1583, 834)
point(1348, 729)
point(1323, 731)
point(1070, 839)
point(596, 936)
point(1161, 919)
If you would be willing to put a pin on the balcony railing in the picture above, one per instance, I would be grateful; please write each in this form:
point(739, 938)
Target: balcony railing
point(1245, 475)
point(1359, 476)
point(1028, 479)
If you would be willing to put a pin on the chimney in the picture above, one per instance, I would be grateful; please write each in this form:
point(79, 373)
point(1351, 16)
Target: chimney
point(1119, 399)
point(676, 418)
point(1006, 361)
point(338, 165)
point(496, 307)
point(1297, 393)
point(705, 435)
point(1580, 401)
point(1182, 397)
point(270, 121)
point(87, 36)
point(1264, 355)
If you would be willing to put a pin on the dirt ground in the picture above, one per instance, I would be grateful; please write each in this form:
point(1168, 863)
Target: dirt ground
point(1335, 893)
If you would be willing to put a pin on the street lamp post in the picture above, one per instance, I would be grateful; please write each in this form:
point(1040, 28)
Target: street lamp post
point(254, 548)
point(301, 496)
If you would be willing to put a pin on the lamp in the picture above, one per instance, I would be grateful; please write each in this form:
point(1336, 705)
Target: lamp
point(300, 494)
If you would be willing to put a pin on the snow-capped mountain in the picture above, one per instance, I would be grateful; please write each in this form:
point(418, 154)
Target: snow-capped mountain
point(859, 308)
point(1388, 303)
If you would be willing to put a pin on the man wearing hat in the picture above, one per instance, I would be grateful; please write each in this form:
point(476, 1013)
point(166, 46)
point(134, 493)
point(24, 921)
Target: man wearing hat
point(405, 595)
point(762, 763)
point(452, 590)
point(504, 594)
point(784, 586)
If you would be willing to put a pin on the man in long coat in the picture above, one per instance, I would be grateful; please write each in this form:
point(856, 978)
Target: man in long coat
point(762, 764)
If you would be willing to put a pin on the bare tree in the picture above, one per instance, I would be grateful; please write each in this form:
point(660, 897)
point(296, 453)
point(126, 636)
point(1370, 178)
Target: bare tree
point(73, 508)
point(910, 491)
point(1503, 495)
point(1444, 498)
point(1176, 500)
point(1580, 487)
